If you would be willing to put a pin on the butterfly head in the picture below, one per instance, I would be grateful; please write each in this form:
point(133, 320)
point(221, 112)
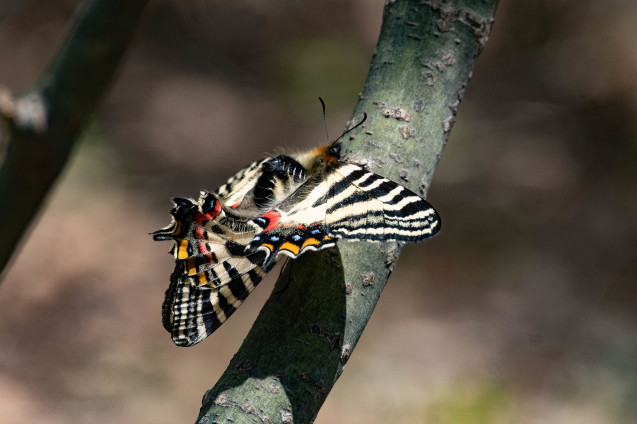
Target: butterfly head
point(334, 149)
point(327, 154)
point(332, 152)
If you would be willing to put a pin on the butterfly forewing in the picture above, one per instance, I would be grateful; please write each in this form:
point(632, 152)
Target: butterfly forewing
point(351, 203)
point(239, 185)
point(362, 205)
point(191, 313)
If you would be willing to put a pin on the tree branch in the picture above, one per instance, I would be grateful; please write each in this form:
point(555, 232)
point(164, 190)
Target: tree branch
point(311, 323)
point(44, 123)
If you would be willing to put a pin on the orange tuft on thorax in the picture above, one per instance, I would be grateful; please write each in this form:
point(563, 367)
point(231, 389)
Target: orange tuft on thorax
point(324, 152)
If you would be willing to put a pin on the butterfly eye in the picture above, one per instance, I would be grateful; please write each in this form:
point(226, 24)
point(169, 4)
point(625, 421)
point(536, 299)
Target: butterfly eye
point(334, 150)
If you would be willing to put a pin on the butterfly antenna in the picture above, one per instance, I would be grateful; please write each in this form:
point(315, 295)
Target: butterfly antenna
point(337, 142)
point(352, 129)
point(324, 120)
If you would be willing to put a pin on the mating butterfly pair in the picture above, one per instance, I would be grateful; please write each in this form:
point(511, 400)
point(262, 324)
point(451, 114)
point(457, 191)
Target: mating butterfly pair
point(226, 241)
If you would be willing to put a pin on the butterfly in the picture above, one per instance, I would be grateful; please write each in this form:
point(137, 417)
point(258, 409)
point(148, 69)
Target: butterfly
point(227, 240)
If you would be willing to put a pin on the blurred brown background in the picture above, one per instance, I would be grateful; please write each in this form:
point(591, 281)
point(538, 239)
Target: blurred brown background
point(522, 310)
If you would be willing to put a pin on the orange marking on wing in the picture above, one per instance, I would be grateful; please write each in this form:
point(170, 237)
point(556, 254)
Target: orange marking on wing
point(310, 242)
point(203, 280)
point(290, 247)
point(236, 205)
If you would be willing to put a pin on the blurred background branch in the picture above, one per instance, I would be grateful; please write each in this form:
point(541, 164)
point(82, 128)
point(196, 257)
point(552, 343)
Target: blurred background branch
point(313, 320)
point(44, 123)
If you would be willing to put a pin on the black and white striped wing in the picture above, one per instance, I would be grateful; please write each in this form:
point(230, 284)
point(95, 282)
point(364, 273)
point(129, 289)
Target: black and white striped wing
point(355, 204)
point(191, 312)
point(239, 185)
point(214, 272)
point(362, 205)
point(212, 276)
point(350, 203)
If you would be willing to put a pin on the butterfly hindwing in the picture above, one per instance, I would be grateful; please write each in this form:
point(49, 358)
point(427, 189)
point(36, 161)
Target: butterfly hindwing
point(290, 239)
point(205, 237)
point(212, 276)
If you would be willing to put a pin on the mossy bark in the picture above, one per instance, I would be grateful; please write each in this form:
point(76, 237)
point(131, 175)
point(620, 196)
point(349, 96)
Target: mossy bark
point(45, 122)
point(311, 323)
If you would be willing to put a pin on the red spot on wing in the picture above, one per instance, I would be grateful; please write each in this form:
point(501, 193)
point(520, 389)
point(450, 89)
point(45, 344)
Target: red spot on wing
point(200, 233)
point(203, 247)
point(236, 205)
point(201, 217)
point(273, 217)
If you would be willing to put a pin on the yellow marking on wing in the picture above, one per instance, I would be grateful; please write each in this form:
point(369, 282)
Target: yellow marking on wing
point(182, 253)
point(269, 246)
point(310, 242)
point(203, 279)
point(290, 247)
point(177, 228)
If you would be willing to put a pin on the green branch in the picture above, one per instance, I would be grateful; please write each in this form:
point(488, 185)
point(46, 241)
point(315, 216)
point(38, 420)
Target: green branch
point(44, 123)
point(311, 323)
